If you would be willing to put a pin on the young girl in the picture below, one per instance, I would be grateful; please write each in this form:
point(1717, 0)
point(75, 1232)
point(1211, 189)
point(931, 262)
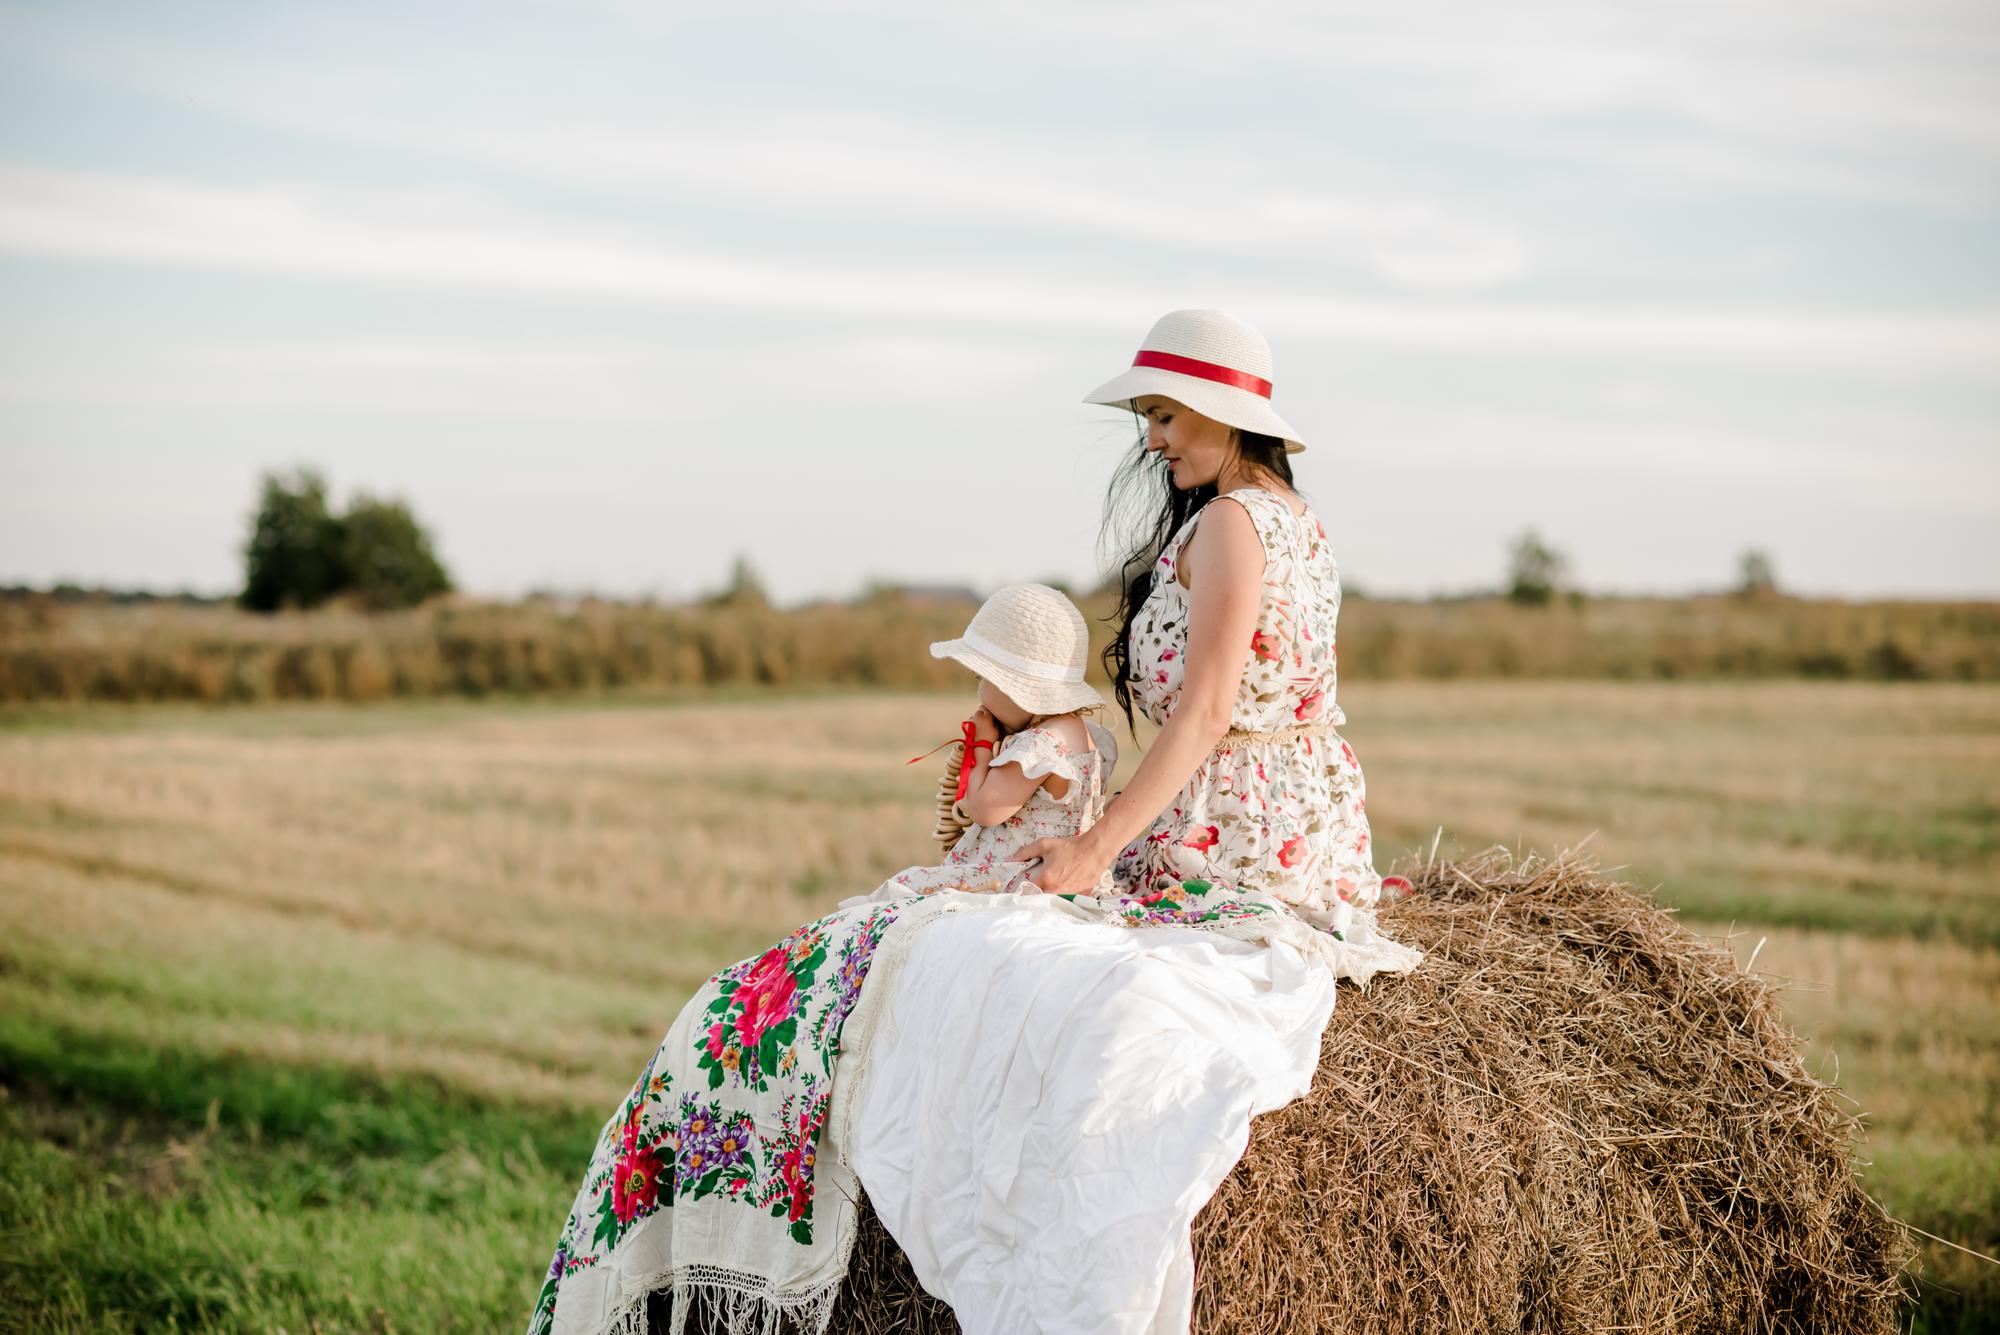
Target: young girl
point(1034, 766)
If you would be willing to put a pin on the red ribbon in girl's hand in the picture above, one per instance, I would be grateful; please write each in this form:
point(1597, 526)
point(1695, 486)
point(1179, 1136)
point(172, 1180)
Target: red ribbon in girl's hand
point(971, 741)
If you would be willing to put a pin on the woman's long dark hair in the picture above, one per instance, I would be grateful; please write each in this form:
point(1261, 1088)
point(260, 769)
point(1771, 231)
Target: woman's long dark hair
point(1143, 509)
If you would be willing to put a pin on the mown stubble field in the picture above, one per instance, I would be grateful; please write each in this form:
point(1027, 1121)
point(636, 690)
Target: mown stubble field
point(308, 1015)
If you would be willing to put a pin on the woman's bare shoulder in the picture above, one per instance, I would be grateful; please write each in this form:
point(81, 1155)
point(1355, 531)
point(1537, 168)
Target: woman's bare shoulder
point(1231, 539)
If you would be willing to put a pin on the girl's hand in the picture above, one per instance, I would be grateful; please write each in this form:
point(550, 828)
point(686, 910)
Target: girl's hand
point(1071, 866)
point(984, 728)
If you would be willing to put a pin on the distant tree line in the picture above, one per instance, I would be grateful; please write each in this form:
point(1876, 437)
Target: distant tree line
point(301, 554)
point(1537, 572)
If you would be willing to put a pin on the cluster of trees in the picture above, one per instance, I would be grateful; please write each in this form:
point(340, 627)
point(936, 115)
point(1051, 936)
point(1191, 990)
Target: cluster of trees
point(301, 554)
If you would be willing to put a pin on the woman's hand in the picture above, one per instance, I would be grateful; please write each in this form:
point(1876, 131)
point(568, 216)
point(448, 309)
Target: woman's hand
point(1071, 866)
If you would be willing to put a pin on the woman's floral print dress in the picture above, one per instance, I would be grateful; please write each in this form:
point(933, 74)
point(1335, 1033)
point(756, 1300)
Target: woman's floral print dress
point(1285, 816)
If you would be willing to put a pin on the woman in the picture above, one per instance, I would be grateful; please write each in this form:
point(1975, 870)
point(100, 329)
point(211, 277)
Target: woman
point(1227, 640)
point(1021, 1080)
point(1047, 1104)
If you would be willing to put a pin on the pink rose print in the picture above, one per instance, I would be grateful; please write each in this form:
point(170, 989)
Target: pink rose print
point(766, 995)
point(1167, 656)
point(1203, 840)
point(1266, 647)
point(1310, 707)
point(1294, 849)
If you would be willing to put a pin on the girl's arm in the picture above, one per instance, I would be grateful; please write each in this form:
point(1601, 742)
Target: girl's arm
point(1224, 559)
point(995, 792)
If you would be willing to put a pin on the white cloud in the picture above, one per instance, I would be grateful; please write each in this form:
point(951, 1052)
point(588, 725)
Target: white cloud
point(628, 381)
point(838, 161)
point(423, 239)
point(1886, 99)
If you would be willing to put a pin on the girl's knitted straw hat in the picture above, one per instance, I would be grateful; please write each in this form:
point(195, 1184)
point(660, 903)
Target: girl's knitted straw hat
point(1210, 361)
point(1031, 642)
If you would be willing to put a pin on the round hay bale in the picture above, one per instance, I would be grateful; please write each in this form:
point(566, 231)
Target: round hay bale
point(1575, 1115)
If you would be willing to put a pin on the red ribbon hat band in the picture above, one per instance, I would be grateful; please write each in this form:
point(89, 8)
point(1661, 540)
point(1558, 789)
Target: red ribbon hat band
point(1194, 366)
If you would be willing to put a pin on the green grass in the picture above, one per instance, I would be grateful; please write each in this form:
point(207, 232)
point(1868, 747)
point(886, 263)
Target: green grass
point(147, 1190)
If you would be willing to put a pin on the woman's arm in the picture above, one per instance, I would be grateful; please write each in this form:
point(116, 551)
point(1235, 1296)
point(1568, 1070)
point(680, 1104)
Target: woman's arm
point(1224, 560)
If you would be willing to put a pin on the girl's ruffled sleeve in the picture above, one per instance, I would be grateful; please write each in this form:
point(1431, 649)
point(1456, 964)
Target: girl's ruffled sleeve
point(1038, 752)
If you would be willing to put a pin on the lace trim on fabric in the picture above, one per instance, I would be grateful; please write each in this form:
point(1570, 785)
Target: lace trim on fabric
point(1358, 954)
point(731, 1302)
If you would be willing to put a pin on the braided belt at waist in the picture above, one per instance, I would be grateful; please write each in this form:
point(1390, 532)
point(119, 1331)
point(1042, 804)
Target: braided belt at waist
point(1291, 732)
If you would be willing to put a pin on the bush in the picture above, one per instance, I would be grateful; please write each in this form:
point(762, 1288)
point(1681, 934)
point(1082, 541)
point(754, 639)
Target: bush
point(387, 556)
point(295, 556)
point(300, 554)
point(1533, 570)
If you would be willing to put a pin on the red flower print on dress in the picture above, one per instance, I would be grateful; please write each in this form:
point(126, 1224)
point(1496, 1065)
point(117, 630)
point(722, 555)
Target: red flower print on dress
point(1310, 707)
point(1266, 647)
point(1167, 656)
point(1294, 849)
point(766, 996)
point(1361, 842)
point(1348, 752)
point(1203, 840)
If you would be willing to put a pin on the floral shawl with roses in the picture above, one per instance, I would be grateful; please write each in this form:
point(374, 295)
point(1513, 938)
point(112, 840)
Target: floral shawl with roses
point(709, 1177)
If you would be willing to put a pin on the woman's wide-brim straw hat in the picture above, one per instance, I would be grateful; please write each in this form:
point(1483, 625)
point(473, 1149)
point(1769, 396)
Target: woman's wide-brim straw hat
point(1031, 642)
point(1210, 361)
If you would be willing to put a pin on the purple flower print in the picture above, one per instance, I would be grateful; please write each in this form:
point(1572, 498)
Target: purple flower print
point(731, 1143)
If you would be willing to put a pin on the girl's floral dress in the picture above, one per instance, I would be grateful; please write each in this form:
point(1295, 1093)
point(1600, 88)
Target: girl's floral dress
point(984, 853)
point(1286, 816)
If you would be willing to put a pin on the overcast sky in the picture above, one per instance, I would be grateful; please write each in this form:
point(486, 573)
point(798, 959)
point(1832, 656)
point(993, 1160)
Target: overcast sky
point(613, 292)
